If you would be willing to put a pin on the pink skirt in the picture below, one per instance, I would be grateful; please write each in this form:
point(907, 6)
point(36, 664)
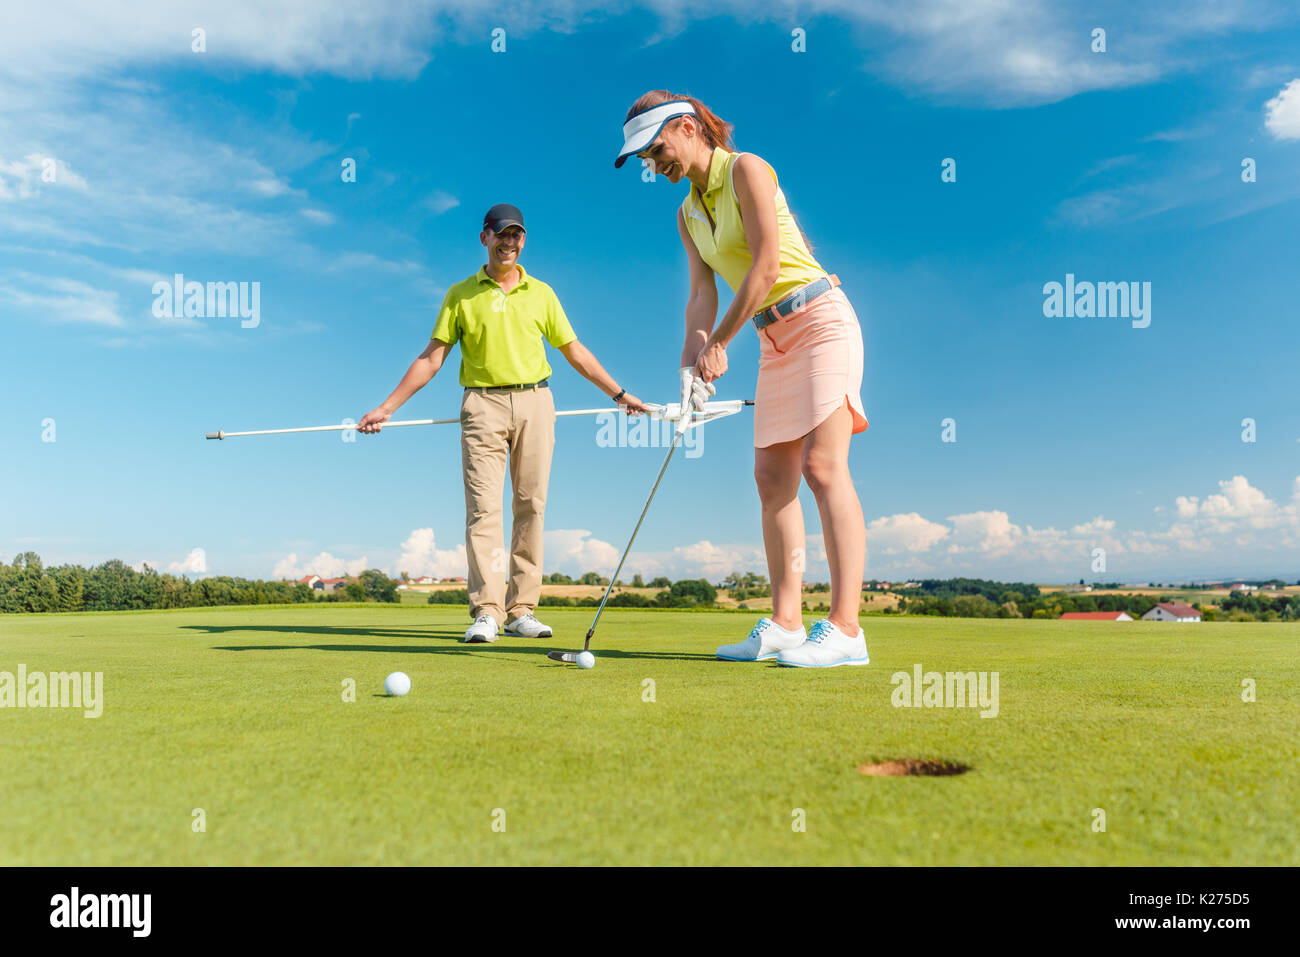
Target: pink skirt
point(809, 365)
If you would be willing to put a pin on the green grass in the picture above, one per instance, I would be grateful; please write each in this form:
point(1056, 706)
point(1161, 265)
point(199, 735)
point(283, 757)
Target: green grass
point(239, 711)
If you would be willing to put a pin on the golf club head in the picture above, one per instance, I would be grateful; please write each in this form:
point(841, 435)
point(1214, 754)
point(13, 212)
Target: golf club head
point(571, 657)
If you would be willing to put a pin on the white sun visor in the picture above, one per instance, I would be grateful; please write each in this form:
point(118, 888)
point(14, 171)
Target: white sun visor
point(640, 131)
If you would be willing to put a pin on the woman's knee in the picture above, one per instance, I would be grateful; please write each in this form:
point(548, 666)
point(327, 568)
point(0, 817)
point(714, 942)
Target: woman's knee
point(776, 477)
point(823, 472)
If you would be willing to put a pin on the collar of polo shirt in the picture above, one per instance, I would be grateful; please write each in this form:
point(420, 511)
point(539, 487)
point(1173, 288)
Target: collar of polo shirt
point(484, 277)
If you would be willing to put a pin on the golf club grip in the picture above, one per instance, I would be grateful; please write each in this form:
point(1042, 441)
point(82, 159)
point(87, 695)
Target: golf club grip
point(215, 435)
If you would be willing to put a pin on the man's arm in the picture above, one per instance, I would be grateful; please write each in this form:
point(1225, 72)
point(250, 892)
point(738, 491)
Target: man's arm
point(589, 368)
point(424, 368)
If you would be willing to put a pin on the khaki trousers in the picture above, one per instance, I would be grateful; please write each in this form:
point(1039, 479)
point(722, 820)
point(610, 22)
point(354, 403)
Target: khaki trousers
point(519, 425)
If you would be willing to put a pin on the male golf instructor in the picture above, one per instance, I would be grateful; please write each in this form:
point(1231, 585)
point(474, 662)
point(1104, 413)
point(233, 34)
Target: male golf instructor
point(500, 316)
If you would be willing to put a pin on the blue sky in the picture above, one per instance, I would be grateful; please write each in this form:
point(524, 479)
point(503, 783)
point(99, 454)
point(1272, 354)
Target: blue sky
point(224, 165)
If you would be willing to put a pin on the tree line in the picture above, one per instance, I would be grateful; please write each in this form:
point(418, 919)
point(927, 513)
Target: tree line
point(28, 586)
point(690, 593)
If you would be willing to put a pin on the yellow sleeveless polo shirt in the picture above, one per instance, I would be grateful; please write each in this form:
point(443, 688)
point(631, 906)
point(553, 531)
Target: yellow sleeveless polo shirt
point(724, 247)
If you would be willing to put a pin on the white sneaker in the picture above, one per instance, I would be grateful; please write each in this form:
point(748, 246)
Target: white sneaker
point(527, 626)
point(484, 629)
point(826, 647)
point(764, 643)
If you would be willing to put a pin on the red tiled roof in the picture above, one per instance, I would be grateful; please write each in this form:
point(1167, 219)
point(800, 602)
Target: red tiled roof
point(1179, 610)
point(1093, 615)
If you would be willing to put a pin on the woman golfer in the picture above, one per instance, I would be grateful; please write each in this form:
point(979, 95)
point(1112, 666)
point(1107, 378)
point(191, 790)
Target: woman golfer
point(734, 222)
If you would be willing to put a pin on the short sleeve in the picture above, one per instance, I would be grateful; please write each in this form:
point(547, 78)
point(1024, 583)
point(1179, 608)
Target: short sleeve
point(558, 332)
point(447, 327)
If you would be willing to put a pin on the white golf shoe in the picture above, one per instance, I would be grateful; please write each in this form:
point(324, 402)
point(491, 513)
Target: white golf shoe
point(483, 630)
point(826, 647)
point(527, 626)
point(764, 643)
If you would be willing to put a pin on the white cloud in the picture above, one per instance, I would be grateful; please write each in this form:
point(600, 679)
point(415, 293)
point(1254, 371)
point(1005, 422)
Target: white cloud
point(1282, 117)
point(319, 216)
point(358, 39)
point(196, 562)
point(891, 534)
point(575, 552)
point(25, 178)
point(991, 532)
point(372, 262)
point(704, 559)
point(1005, 51)
point(1237, 504)
point(269, 186)
point(440, 202)
point(64, 300)
point(325, 565)
point(421, 556)
point(1098, 526)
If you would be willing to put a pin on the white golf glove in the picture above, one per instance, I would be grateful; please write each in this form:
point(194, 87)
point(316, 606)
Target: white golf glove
point(695, 392)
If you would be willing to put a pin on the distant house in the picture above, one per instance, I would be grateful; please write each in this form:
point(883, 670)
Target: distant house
point(333, 584)
point(425, 580)
point(1242, 587)
point(1172, 611)
point(311, 581)
point(1096, 616)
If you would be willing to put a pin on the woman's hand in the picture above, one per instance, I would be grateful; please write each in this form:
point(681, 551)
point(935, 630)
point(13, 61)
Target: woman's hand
point(374, 420)
point(712, 363)
point(695, 391)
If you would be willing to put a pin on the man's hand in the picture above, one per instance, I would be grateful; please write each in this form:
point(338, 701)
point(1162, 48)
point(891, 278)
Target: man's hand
point(631, 404)
point(694, 392)
point(374, 420)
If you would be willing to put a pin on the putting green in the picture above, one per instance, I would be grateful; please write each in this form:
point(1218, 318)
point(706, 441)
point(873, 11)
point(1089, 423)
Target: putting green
point(240, 712)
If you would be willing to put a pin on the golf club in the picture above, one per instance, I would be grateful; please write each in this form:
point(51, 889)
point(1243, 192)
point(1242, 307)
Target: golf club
point(684, 422)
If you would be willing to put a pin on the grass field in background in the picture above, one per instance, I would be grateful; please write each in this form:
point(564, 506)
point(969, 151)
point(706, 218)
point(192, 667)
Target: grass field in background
point(240, 712)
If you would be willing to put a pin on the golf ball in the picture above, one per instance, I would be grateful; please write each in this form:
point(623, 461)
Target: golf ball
point(397, 684)
point(586, 660)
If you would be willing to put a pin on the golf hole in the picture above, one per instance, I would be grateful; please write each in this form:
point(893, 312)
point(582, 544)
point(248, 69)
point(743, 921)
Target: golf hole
point(901, 767)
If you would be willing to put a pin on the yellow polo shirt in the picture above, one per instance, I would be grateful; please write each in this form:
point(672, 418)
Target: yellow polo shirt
point(500, 333)
point(722, 244)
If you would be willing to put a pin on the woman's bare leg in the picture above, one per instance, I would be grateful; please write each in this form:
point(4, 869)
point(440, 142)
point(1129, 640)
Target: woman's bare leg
point(778, 472)
point(825, 465)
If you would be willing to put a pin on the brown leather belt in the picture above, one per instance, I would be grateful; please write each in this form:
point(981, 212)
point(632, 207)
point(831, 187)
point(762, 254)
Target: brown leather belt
point(508, 388)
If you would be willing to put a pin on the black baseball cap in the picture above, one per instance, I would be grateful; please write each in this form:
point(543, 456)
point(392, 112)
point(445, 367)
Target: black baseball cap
point(502, 216)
